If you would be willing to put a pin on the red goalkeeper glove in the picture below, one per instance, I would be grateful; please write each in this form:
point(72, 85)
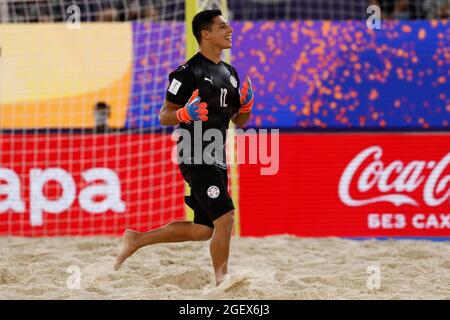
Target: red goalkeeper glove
point(246, 96)
point(193, 110)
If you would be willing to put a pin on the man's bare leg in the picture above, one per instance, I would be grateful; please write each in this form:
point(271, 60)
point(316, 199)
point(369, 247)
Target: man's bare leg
point(220, 245)
point(175, 231)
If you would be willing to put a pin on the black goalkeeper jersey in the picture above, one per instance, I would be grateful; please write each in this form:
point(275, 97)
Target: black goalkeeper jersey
point(218, 85)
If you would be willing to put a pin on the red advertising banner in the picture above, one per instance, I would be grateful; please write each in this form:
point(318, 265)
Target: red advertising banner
point(351, 185)
point(61, 184)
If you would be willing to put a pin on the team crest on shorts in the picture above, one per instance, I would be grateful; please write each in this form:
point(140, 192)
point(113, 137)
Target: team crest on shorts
point(213, 192)
point(233, 81)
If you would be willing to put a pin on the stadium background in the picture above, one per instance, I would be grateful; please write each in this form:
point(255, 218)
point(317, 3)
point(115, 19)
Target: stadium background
point(333, 87)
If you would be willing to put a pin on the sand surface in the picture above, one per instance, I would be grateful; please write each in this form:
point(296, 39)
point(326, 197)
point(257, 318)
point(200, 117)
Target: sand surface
point(280, 267)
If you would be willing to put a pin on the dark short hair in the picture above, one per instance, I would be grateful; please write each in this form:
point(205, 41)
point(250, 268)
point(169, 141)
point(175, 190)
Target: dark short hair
point(203, 21)
point(102, 106)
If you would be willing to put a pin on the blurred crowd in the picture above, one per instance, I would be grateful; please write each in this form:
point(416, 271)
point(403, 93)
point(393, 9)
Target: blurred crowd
point(414, 9)
point(90, 10)
point(125, 10)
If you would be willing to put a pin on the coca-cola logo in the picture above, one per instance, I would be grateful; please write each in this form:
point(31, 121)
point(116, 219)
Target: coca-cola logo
point(394, 182)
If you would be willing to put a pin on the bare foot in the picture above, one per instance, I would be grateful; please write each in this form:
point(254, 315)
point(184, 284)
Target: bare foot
point(219, 279)
point(129, 246)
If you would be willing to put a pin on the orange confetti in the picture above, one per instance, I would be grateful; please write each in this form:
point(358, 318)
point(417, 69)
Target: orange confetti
point(388, 64)
point(262, 56)
point(294, 37)
point(406, 29)
point(326, 26)
point(306, 111)
point(278, 52)
point(144, 62)
point(268, 26)
point(270, 43)
point(373, 94)
point(343, 47)
point(338, 95)
point(319, 49)
point(354, 58)
point(271, 86)
point(317, 122)
point(247, 26)
point(422, 34)
point(316, 106)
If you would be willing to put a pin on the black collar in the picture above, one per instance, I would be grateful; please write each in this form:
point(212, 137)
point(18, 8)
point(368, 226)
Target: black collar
point(207, 59)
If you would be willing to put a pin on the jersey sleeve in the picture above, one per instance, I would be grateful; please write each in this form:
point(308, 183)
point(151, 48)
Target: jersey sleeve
point(237, 96)
point(181, 85)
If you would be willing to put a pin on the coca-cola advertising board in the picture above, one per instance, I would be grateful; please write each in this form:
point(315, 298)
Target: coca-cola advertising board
point(351, 185)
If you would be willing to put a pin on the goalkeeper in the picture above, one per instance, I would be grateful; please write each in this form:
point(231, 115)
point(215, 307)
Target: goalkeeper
point(203, 91)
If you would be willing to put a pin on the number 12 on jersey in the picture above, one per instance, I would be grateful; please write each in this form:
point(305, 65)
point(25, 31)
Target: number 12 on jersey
point(223, 96)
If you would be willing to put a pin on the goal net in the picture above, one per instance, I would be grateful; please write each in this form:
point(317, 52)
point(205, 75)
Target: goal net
point(81, 148)
point(82, 151)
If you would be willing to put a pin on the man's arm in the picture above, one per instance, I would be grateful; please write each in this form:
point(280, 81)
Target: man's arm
point(240, 119)
point(168, 114)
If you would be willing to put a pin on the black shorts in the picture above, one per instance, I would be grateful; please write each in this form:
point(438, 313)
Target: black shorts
point(209, 192)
